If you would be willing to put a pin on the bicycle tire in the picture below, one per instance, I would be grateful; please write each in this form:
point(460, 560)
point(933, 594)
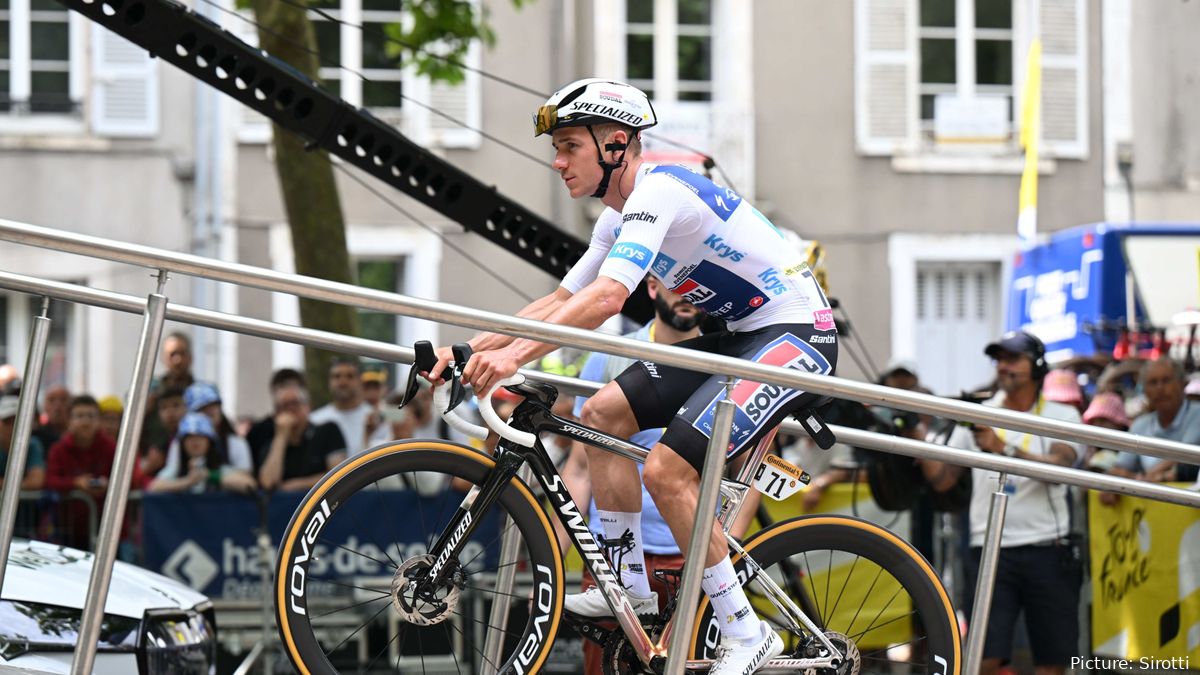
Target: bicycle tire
point(809, 542)
point(314, 649)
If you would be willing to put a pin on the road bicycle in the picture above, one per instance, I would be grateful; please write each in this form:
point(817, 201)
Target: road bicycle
point(844, 594)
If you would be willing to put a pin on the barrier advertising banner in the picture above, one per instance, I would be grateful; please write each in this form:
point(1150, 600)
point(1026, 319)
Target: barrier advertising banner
point(1145, 562)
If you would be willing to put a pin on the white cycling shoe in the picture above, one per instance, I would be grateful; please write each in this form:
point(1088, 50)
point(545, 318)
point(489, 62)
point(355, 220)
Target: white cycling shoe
point(590, 604)
point(738, 657)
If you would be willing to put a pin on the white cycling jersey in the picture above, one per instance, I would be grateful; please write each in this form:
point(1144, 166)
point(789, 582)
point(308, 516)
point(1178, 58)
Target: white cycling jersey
point(707, 244)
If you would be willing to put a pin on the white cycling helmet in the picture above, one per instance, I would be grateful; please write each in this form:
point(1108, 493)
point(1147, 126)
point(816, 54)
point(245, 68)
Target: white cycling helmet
point(592, 101)
point(595, 101)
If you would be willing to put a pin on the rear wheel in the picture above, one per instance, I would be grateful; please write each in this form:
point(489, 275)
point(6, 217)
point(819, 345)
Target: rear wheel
point(353, 591)
point(869, 591)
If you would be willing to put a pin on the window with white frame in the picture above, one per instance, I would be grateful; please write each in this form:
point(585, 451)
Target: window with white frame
point(932, 73)
point(35, 59)
point(966, 51)
point(357, 64)
point(668, 48)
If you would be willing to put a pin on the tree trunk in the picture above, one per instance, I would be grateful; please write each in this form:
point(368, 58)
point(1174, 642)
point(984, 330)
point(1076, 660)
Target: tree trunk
point(310, 195)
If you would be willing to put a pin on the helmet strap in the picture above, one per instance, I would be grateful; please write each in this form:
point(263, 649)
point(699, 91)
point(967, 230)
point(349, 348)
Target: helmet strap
point(608, 167)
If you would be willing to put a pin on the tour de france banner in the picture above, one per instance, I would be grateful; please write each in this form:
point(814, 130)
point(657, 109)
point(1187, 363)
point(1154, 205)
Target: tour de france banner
point(1145, 563)
point(210, 541)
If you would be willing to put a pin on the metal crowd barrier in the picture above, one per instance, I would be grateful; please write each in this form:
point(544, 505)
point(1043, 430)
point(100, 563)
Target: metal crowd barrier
point(155, 310)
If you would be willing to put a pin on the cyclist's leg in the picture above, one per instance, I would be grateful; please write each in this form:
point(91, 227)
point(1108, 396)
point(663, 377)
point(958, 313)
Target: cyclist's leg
point(615, 482)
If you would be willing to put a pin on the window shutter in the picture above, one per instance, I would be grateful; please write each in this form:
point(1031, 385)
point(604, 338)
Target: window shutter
point(124, 87)
point(1064, 77)
point(885, 96)
point(460, 101)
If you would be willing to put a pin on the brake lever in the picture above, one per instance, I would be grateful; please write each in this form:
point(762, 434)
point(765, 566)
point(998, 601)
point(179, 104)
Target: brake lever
point(462, 353)
point(425, 358)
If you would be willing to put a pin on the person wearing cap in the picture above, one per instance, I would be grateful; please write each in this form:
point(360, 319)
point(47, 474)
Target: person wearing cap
point(1106, 410)
point(1062, 386)
point(711, 246)
point(1170, 416)
point(374, 386)
point(206, 469)
point(35, 460)
point(1038, 571)
point(111, 409)
point(203, 398)
point(360, 422)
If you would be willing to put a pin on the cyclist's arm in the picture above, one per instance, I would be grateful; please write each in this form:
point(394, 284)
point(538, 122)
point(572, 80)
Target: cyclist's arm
point(538, 309)
point(589, 308)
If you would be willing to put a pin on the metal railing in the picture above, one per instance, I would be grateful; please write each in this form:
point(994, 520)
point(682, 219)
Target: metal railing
point(155, 310)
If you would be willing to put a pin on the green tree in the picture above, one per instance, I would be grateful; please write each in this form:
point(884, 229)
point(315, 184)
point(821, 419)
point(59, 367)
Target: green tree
point(436, 41)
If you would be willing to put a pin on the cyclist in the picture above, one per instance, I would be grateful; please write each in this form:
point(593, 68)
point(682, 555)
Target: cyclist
point(709, 245)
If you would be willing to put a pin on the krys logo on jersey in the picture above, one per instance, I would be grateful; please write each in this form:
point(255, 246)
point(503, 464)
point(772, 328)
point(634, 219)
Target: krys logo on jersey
point(756, 401)
point(635, 253)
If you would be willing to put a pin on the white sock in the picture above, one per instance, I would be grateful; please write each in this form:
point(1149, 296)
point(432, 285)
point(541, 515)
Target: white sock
point(729, 601)
point(633, 562)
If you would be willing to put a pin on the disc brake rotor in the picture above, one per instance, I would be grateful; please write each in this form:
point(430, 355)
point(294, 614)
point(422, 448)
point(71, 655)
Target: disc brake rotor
point(417, 600)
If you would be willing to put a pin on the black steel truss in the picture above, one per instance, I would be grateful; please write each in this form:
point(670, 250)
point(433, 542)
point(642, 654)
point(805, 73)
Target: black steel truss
point(194, 44)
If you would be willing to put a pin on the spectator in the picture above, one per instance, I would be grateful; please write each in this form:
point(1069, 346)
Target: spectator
point(1062, 386)
point(414, 420)
point(55, 415)
point(35, 460)
point(169, 410)
point(82, 460)
point(262, 431)
point(232, 449)
point(1170, 416)
point(359, 421)
point(374, 386)
point(177, 357)
point(1039, 571)
point(300, 452)
point(1106, 410)
point(206, 469)
point(110, 416)
point(8, 376)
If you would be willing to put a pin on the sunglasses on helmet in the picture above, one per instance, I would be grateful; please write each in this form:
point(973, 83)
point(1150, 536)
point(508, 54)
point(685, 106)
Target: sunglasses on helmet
point(544, 119)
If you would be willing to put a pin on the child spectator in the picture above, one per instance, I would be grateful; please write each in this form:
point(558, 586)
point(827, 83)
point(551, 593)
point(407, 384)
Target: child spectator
point(232, 449)
point(171, 409)
point(110, 415)
point(203, 469)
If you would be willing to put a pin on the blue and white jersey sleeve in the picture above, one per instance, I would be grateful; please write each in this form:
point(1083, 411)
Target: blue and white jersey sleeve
point(603, 235)
point(642, 229)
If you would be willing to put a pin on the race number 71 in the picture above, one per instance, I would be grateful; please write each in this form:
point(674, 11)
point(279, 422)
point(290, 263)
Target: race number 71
point(778, 478)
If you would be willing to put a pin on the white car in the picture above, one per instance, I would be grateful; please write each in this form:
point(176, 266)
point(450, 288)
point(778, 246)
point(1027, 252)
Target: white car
point(152, 624)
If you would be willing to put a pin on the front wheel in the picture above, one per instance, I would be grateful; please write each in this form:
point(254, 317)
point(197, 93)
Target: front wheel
point(860, 584)
point(353, 591)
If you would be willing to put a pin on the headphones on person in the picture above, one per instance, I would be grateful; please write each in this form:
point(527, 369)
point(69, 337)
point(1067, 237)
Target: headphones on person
point(1028, 345)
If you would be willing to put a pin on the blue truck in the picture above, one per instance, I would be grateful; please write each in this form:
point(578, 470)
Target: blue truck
point(1073, 292)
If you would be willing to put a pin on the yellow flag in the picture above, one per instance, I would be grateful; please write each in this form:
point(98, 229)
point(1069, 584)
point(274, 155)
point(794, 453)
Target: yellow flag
point(1030, 131)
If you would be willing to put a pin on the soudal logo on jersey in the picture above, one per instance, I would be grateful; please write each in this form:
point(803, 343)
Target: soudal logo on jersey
point(643, 216)
point(694, 293)
point(634, 253)
point(722, 249)
point(606, 111)
point(755, 402)
point(662, 265)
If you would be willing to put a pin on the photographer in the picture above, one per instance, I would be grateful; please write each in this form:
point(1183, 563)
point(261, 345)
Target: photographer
point(1039, 570)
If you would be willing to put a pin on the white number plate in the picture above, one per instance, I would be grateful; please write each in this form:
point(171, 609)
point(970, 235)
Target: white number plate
point(779, 479)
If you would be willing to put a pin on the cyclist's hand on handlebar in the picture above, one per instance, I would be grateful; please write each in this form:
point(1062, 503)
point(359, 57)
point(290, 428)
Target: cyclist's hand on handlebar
point(444, 358)
point(485, 369)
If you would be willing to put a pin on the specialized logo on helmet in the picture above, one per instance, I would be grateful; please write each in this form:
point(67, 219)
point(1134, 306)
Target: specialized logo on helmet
point(607, 111)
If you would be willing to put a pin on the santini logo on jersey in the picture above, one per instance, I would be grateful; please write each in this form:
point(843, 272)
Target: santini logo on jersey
point(634, 253)
point(644, 216)
point(607, 111)
point(724, 250)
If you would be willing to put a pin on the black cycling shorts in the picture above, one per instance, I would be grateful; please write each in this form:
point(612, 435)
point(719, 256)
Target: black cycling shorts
point(685, 401)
